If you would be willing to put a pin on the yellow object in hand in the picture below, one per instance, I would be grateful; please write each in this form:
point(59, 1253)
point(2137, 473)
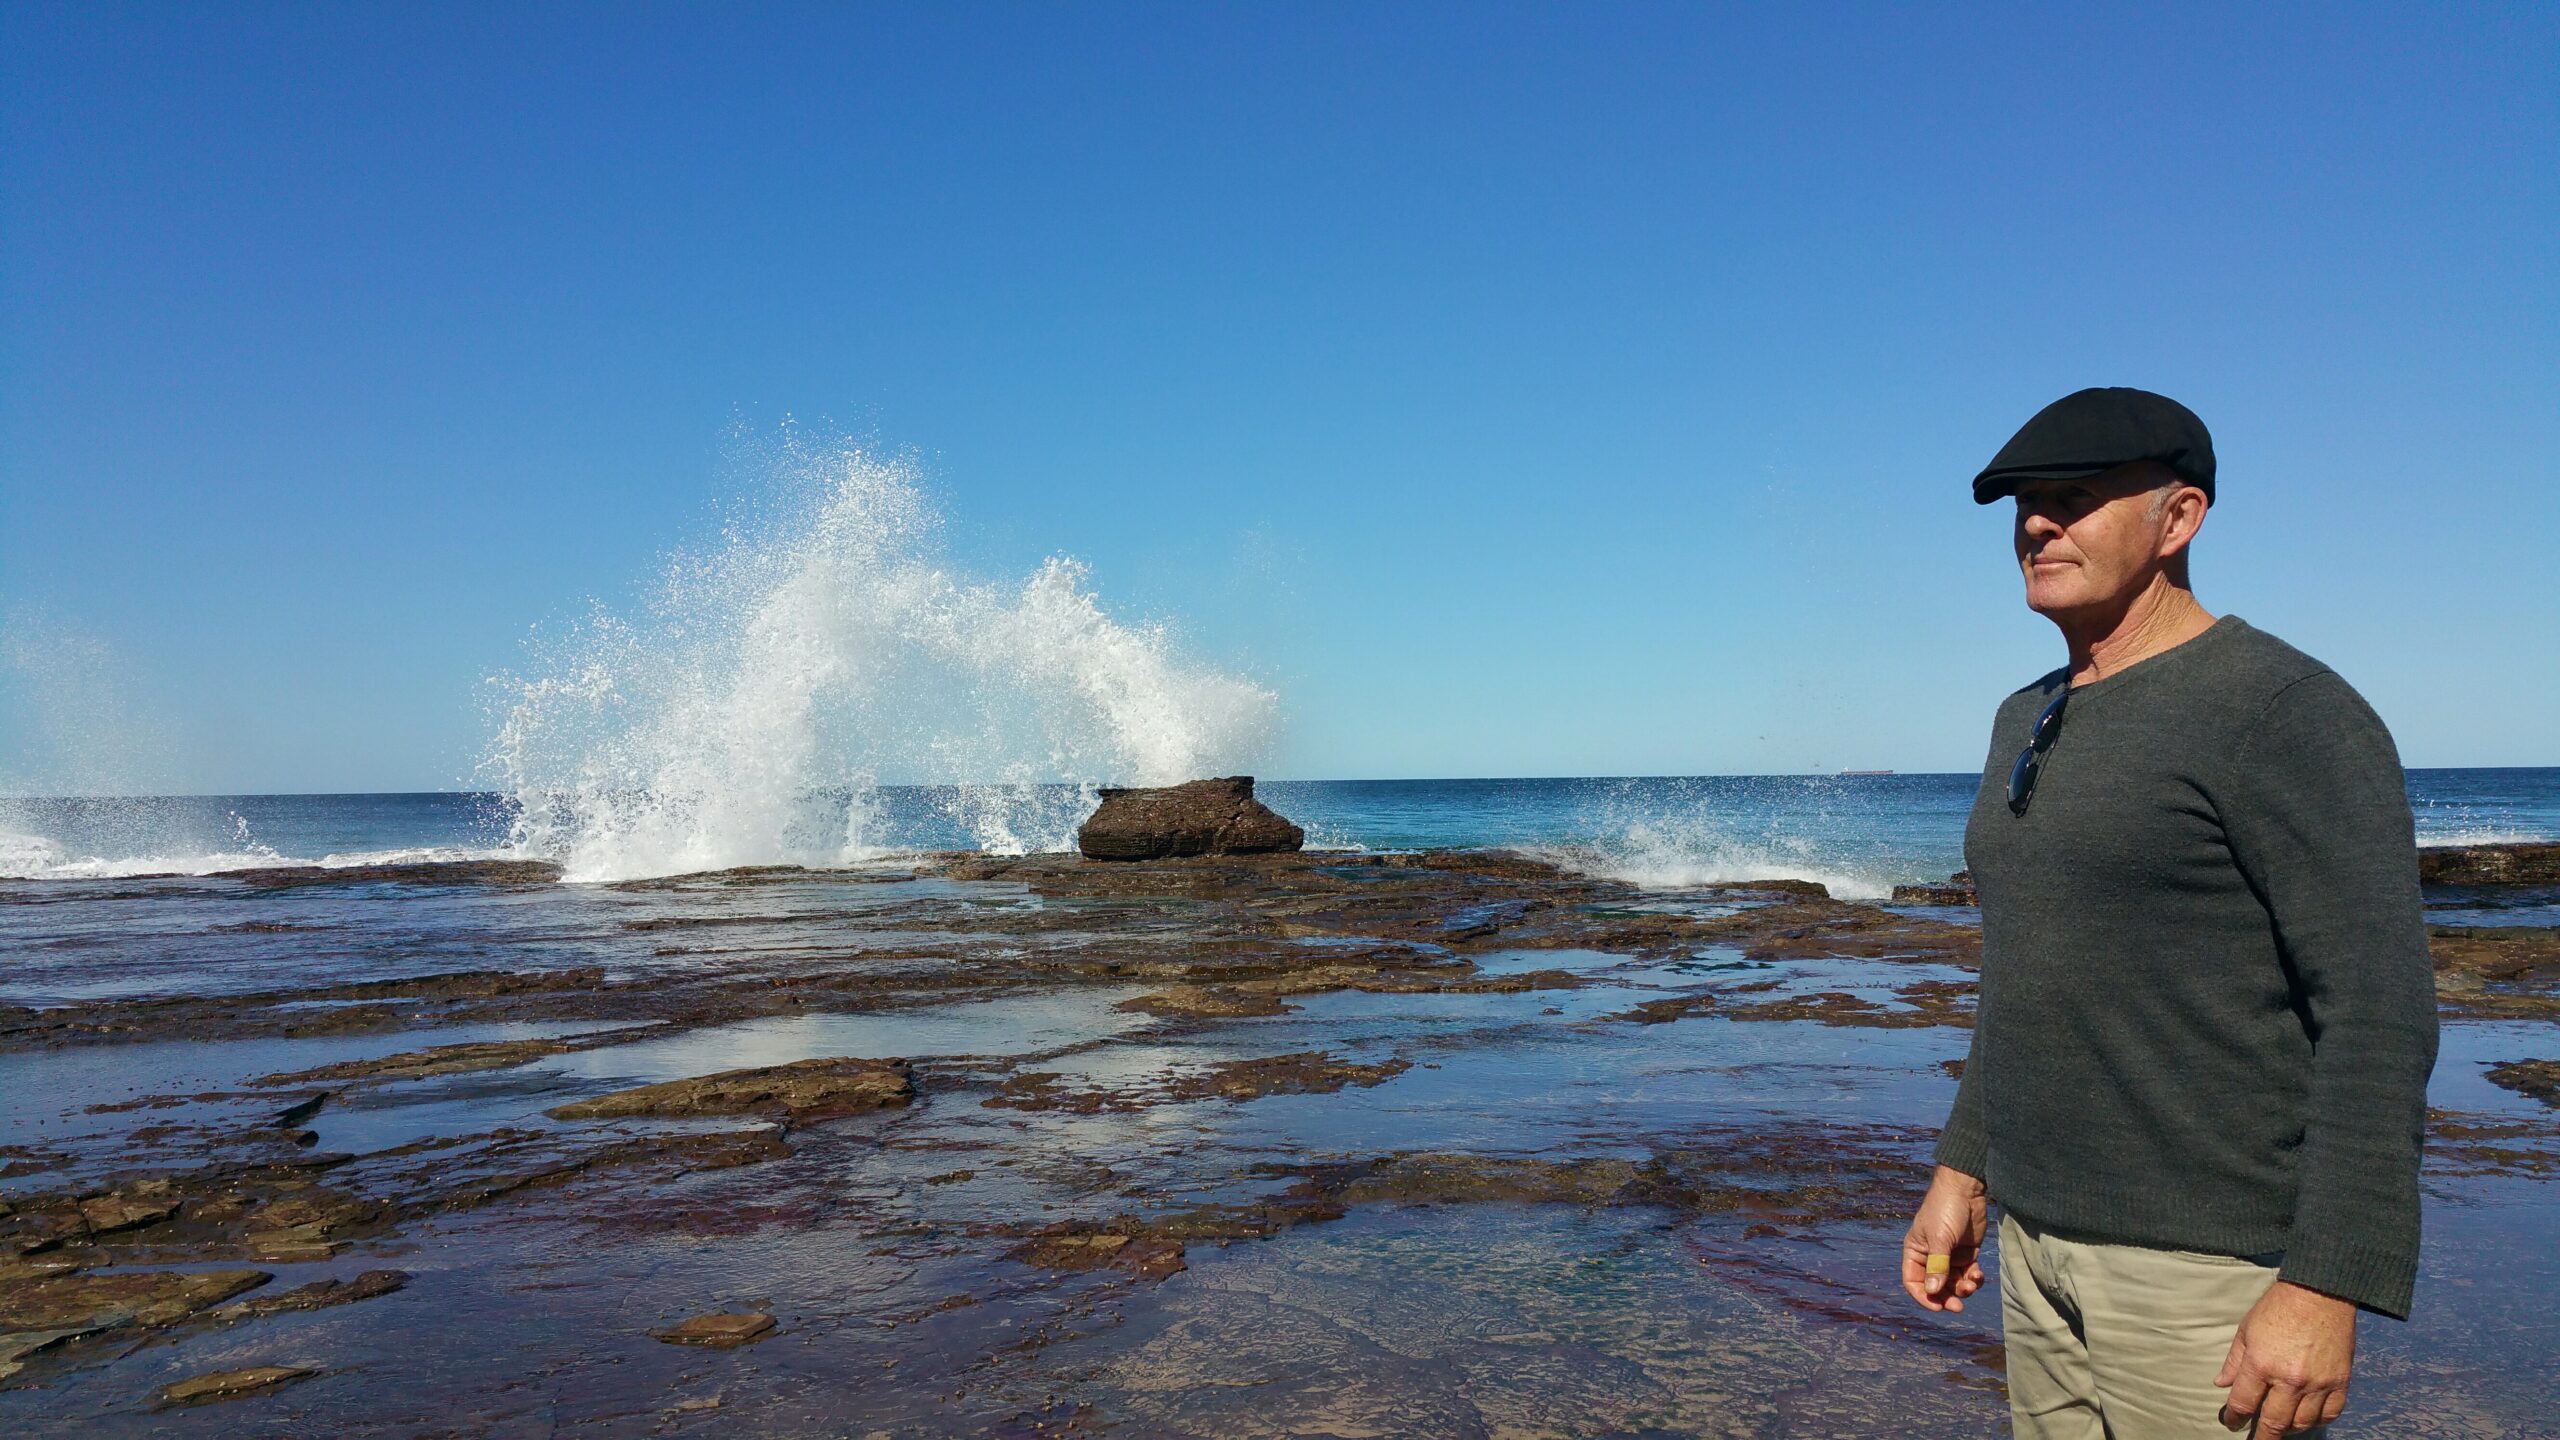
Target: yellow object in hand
point(1940, 1264)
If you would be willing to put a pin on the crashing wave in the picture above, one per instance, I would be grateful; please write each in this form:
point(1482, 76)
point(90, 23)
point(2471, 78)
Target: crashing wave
point(752, 714)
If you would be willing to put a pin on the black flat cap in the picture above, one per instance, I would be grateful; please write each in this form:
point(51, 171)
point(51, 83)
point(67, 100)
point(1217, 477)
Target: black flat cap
point(2098, 429)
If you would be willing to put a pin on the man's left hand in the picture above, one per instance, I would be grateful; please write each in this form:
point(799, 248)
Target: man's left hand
point(2287, 1370)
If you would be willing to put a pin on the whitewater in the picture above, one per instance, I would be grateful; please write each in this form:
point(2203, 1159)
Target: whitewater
point(823, 686)
point(750, 713)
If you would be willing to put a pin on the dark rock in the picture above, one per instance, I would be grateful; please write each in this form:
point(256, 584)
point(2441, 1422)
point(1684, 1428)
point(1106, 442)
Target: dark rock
point(1957, 890)
point(804, 1090)
point(2537, 1078)
point(2523, 863)
point(1202, 817)
point(292, 1116)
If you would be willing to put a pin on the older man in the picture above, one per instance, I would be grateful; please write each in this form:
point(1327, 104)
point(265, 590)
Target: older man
point(2198, 1076)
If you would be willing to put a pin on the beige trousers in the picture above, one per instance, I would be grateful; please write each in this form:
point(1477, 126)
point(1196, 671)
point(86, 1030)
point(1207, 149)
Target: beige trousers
point(2118, 1342)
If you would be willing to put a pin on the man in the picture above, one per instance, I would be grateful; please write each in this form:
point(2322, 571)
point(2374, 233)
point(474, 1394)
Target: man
point(2198, 1074)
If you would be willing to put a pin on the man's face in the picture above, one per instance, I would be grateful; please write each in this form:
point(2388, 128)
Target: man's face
point(2089, 544)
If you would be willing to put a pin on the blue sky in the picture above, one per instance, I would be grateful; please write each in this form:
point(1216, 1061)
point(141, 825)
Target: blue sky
point(1516, 390)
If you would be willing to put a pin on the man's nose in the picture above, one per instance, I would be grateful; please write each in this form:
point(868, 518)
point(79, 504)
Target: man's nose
point(2035, 524)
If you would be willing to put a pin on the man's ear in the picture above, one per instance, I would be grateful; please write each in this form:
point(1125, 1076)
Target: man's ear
point(2186, 510)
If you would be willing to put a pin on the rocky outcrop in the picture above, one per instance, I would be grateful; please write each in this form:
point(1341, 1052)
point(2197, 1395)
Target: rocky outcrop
point(1202, 817)
point(2535, 862)
point(1957, 889)
point(805, 1090)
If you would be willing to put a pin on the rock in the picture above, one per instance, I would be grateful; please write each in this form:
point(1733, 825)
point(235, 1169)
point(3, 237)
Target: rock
point(1201, 817)
point(106, 1214)
point(1957, 890)
point(297, 1245)
point(1081, 1250)
point(804, 1090)
point(418, 1064)
point(1151, 1256)
point(2522, 863)
point(1221, 1001)
point(1308, 1072)
point(15, 1348)
point(44, 1229)
point(2537, 1078)
point(83, 1301)
point(313, 1212)
point(226, 1384)
point(422, 872)
point(292, 1116)
point(318, 1295)
point(718, 1329)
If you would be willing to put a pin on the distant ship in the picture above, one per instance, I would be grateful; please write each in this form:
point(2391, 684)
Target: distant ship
point(1862, 774)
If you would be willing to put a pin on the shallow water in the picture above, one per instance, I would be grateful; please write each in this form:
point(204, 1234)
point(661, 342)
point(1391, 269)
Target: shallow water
point(885, 1243)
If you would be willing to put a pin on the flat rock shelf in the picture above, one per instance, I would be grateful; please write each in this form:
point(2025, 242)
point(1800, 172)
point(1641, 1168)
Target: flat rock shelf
point(1444, 1143)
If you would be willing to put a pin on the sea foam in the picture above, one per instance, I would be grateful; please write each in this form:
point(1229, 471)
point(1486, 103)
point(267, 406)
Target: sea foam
point(825, 647)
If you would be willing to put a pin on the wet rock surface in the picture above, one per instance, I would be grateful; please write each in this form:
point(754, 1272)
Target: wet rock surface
point(85, 1302)
point(1308, 1073)
point(230, 1384)
point(2497, 972)
point(1201, 817)
point(1956, 889)
point(2537, 1078)
point(1201, 1145)
point(719, 1330)
point(801, 1090)
point(2517, 863)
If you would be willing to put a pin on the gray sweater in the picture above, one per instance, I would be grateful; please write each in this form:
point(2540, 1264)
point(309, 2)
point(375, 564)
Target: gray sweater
point(2207, 1010)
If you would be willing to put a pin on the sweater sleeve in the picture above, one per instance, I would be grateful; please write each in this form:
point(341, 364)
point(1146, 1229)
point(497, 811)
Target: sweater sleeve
point(1965, 1144)
point(2319, 824)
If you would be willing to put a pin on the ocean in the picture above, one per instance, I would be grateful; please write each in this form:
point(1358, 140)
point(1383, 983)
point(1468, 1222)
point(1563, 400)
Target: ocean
point(1859, 835)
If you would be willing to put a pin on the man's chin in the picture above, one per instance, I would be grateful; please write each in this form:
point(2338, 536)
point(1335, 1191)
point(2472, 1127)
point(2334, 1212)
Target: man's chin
point(2055, 601)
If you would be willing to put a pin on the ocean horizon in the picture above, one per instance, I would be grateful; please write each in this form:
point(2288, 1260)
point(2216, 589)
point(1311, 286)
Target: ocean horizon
point(1857, 834)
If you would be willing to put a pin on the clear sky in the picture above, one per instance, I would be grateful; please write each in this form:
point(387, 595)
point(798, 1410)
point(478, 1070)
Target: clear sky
point(1567, 389)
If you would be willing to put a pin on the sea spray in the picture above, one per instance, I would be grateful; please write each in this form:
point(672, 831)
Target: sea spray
point(1672, 834)
point(825, 648)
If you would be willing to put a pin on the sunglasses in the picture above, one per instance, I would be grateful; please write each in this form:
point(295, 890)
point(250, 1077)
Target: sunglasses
point(2022, 776)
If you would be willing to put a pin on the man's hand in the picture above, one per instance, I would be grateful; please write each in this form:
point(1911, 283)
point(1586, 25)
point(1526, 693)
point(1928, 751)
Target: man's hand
point(2287, 1370)
point(1941, 1256)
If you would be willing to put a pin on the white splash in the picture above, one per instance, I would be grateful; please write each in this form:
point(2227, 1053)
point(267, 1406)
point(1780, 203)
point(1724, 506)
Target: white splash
point(1667, 856)
point(1671, 835)
point(823, 650)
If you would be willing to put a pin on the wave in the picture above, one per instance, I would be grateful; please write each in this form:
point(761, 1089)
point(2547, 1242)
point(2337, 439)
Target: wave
point(2481, 833)
point(1675, 834)
point(1676, 857)
point(33, 857)
point(751, 714)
